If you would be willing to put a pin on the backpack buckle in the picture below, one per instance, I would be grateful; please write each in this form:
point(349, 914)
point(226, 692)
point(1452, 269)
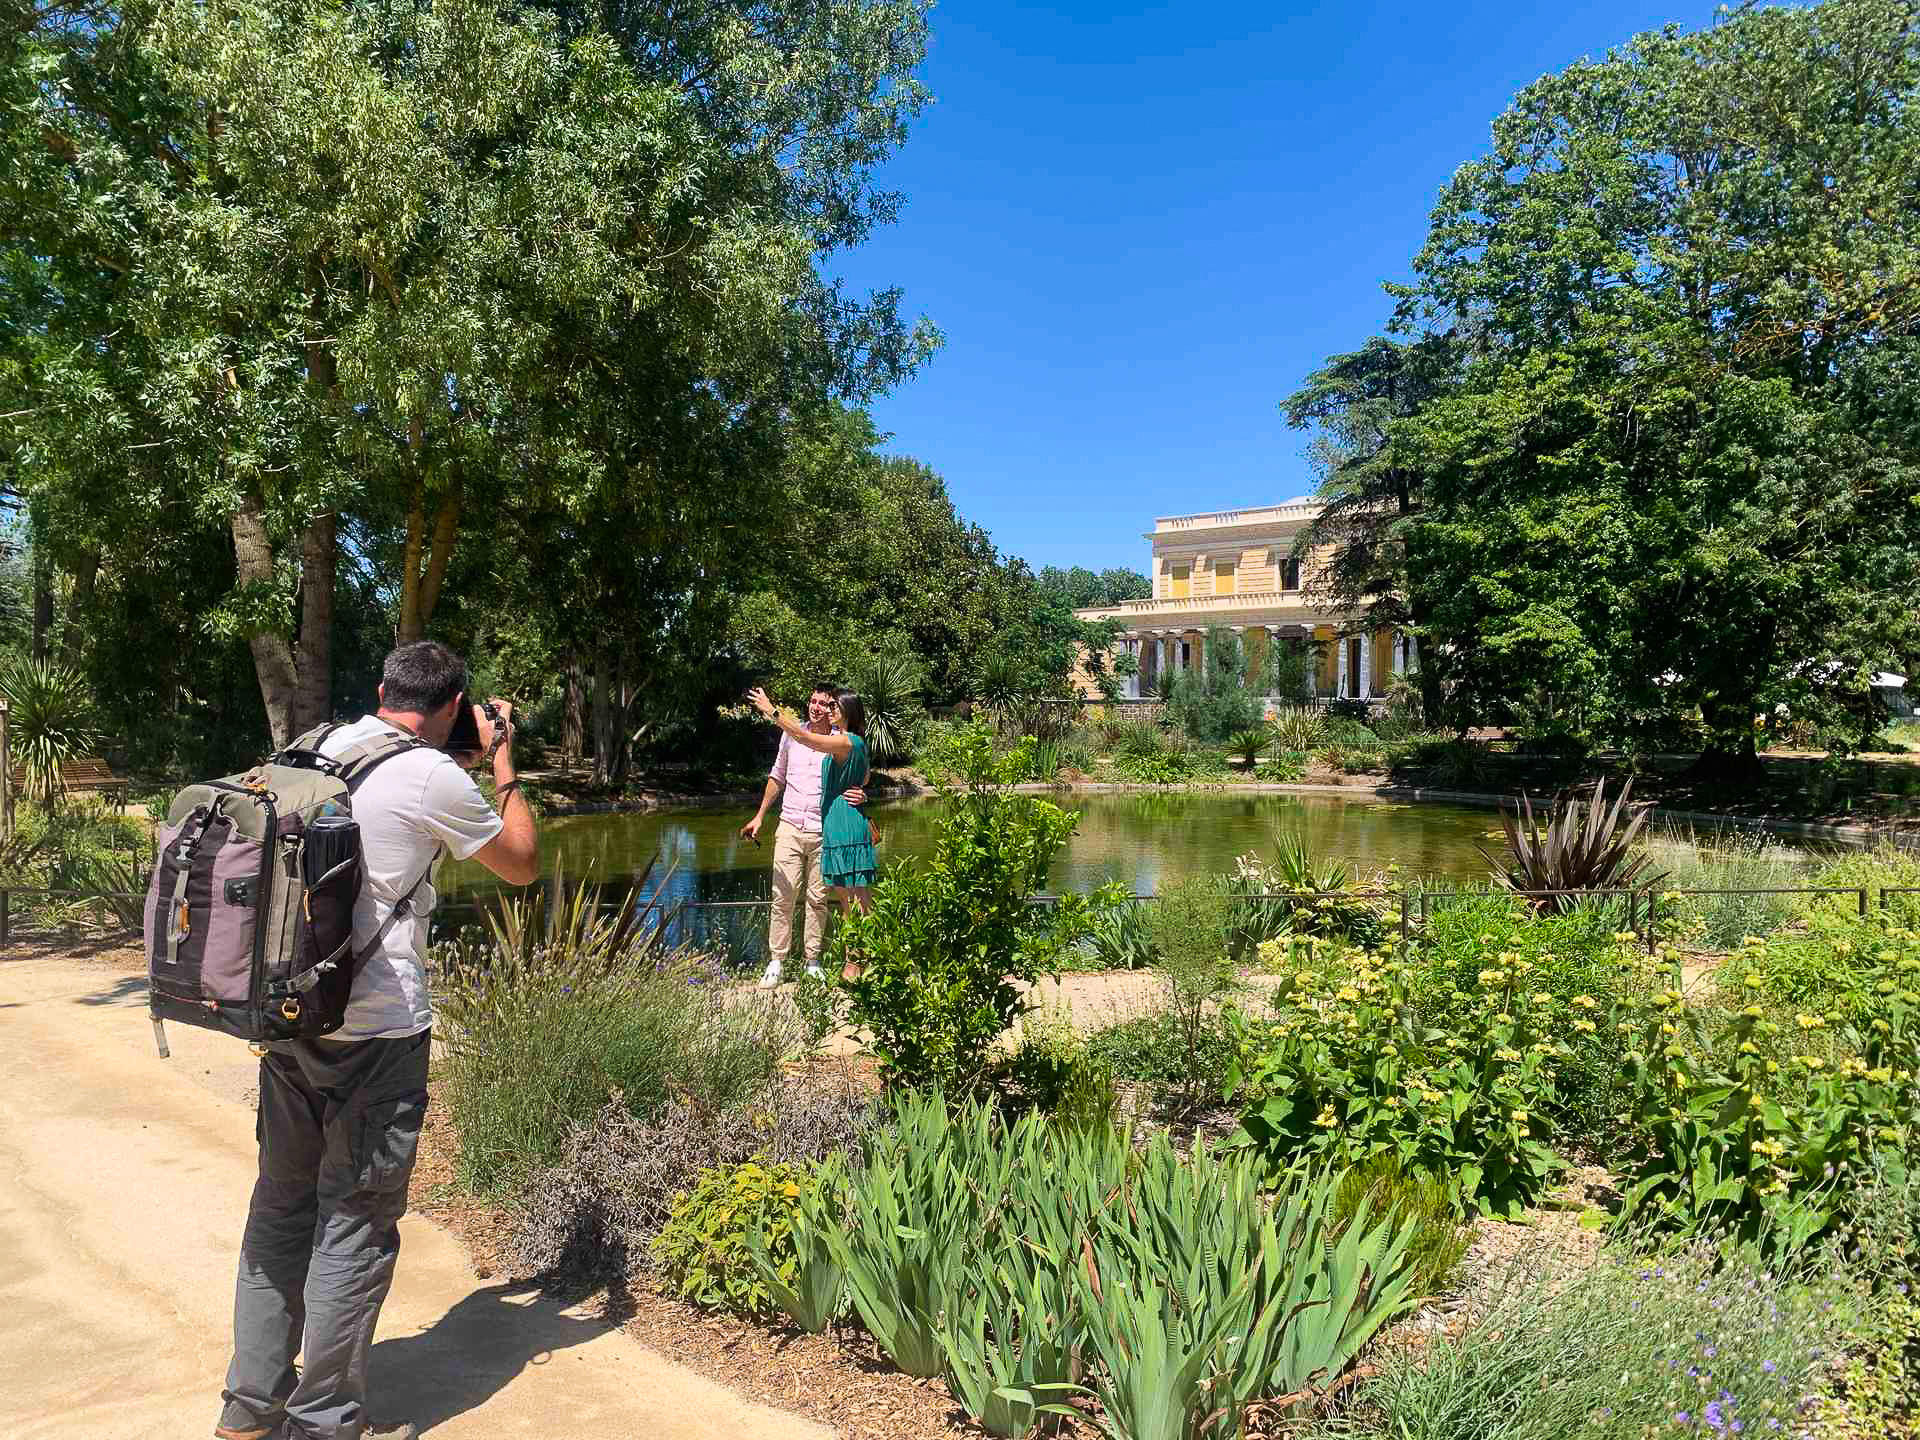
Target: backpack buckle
point(290, 1009)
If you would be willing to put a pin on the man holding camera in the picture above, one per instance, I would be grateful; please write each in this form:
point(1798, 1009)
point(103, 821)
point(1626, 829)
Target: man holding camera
point(340, 1117)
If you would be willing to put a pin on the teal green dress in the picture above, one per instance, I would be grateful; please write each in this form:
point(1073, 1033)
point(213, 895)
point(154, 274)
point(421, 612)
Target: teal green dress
point(846, 839)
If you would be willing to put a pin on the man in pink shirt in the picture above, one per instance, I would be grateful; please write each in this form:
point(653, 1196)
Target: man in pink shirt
point(797, 778)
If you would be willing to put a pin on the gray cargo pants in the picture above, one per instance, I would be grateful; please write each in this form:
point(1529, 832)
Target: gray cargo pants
point(339, 1125)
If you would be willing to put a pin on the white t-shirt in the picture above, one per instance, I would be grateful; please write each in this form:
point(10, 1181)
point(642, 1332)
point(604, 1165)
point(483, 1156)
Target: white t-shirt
point(409, 809)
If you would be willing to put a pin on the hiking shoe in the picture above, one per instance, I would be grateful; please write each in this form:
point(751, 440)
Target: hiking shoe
point(770, 976)
point(816, 972)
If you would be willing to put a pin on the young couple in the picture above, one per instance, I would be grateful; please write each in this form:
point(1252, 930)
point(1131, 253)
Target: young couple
point(823, 843)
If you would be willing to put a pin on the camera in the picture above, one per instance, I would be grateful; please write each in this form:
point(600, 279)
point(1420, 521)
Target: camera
point(464, 738)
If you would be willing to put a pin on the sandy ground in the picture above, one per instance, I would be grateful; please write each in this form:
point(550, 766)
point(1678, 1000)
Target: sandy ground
point(127, 1182)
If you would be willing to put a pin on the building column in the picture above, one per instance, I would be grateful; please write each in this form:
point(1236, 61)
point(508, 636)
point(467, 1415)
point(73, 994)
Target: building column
point(1340, 688)
point(1399, 652)
point(1170, 652)
point(1366, 665)
point(1313, 663)
point(1267, 661)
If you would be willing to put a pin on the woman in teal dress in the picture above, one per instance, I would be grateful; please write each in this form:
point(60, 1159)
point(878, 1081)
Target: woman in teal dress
point(846, 836)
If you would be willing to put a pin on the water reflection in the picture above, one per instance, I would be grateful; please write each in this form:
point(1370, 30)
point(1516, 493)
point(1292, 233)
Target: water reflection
point(1145, 841)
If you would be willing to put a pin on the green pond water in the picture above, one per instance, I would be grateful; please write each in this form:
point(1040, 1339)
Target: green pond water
point(1144, 841)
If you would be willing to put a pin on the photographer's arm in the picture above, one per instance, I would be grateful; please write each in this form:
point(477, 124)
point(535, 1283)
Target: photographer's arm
point(513, 854)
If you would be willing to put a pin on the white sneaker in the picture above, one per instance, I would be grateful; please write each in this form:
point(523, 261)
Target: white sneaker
point(770, 976)
point(816, 972)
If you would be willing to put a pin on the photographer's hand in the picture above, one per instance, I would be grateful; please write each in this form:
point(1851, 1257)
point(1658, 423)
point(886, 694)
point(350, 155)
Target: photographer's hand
point(500, 740)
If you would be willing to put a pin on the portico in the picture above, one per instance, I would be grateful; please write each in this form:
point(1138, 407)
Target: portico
point(1236, 569)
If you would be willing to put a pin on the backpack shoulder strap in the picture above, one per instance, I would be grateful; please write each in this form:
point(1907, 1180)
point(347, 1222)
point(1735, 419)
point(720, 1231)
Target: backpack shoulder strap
point(360, 760)
point(401, 909)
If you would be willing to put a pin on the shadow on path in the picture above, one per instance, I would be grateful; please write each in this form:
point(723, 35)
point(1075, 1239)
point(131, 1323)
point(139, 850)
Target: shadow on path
point(472, 1352)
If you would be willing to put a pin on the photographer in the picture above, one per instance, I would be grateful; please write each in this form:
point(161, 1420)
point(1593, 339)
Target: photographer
point(340, 1117)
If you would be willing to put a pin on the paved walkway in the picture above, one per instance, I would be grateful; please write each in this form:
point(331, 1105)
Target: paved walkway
point(123, 1186)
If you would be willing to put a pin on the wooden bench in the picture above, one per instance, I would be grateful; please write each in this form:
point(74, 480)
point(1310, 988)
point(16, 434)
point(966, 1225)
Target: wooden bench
point(85, 774)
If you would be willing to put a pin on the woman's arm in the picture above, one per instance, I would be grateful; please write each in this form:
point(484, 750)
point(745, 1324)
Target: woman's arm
point(838, 746)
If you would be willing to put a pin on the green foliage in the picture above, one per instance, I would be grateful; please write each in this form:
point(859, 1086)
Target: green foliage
point(1439, 1243)
point(1582, 846)
point(1578, 961)
point(50, 721)
point(1158, 1050)
point(1731, 861)
point(889, 685)
point(563, 1011)
point(1878, 869)
point(1249, 744)
point(1169, 764)
point(1119, 938)
point(949, 942)
point(1760, 1126)
point(1220, 704)
point(1189, 925)
point(1055, 1072)
point(704, 1252)
point(84, 848)
point(1686, 1342)
point(1284, 767)
point(1336, 913)
point(1607, 494)
point(1346, 1073)
point(1299, 728)
point(1009, 1255)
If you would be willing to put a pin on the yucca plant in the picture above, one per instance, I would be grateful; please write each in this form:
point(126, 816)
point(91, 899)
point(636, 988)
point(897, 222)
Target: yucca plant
point(50, 721)
point(889, 685)
point(1583, 845)
point(1299, 728)
point(591, 932)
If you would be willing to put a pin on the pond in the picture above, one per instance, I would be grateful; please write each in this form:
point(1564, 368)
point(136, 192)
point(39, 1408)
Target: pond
point(1143, 840)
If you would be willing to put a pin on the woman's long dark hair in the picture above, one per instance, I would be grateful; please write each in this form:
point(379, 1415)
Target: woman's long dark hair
point(853, 713)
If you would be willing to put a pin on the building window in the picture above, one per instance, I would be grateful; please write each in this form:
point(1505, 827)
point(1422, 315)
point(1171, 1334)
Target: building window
point(1180, 581)
point(1290, 573)
point(1223, 577)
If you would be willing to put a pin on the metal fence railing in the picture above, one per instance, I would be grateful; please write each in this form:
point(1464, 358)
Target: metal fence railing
point(737, 929)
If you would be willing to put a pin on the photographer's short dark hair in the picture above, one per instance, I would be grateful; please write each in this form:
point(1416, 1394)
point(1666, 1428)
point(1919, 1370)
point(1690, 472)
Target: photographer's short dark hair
point(421, 678)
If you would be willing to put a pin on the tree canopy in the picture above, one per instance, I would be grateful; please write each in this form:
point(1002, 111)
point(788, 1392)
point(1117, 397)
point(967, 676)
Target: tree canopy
point(1664, 459)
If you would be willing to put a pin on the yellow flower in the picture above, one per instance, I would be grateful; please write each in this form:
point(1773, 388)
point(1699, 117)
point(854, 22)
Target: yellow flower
point(1753, 982)
point(1585, 1027)
point(1504, 1053)
point(1808, 1022)
point(1773, 1067)
point(1347, 992)
point(1747, 1047)
point(1812, 1062)
point(1325, 1118)
point(1503, 1018)
point(1393, 1102)
point(1520, 1116)
point(1585, 1002)
point(1389, 1049)
point(1540, 997)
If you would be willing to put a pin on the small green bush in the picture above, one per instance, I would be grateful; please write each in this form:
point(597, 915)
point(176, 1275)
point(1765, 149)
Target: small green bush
point(702, 1250)
point(1190, 923)
point(1155, 1049)
point(1284, 767)
point(1881, 868)
point(1440, 1241)
point(541, 1035)
point(1165, 767)
point(1054, 1072)
point(1120, 938)
point(1734, 861)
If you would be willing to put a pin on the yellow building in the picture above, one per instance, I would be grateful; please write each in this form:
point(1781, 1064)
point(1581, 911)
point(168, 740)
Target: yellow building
point(1235, 568)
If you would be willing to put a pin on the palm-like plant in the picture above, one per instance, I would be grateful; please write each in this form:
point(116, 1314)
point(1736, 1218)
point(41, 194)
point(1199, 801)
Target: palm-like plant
point(1582, 845)
point(1299, 728)
point(50, 721)
point(888, 684)
point(1247, 744)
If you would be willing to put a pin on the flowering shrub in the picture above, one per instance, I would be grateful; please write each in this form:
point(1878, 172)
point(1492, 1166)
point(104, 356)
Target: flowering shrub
point(1694, 1343)
point(1347, 1072)
point(1759, 1124)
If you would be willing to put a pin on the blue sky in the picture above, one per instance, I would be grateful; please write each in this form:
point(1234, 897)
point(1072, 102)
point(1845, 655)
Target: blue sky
point(1141, 226)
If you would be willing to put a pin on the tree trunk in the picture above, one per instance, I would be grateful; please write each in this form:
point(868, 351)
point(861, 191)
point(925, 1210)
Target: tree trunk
point(425, 559)
point(85, 575)
point(573, 734)
point(272, 655)
point(611, 705)
point(1731, 757)
point(319, 559)
point(42, 603)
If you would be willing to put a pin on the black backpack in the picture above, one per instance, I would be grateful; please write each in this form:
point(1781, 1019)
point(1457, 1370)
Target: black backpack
point(249, 915)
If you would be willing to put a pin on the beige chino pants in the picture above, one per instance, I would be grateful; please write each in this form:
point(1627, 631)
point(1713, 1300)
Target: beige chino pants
point(796, 872)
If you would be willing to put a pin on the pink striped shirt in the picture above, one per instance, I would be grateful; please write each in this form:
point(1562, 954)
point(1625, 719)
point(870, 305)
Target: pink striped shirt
point(802, 771)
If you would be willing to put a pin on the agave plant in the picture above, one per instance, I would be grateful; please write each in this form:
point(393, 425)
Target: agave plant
point(50, 721)
point(1583, 845)
point(1298, 727)
point(889, 685)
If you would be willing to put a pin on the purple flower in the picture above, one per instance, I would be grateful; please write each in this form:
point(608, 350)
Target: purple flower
point(1693, 1372)
point(1711, 1352)
point(1714, 1415)
point(1681, 1417)
point(1767, 1367)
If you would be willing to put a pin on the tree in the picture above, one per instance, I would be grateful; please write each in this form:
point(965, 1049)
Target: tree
point(1372, 461)
point(407, 265)
point(1080, 589)
point(1677, 474)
